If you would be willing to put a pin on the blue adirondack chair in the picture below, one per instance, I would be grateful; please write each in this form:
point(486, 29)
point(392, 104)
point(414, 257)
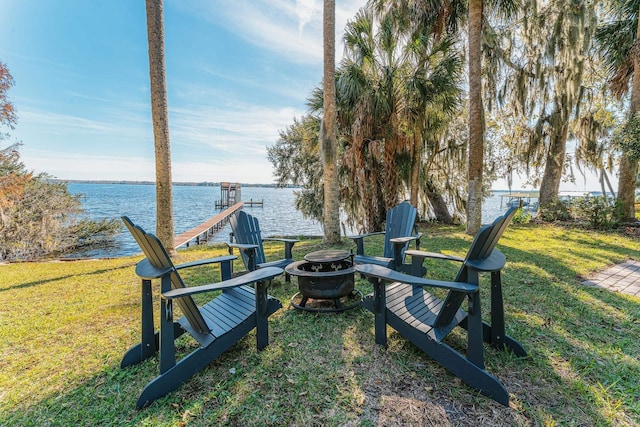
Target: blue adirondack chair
point(247, 238)
point(216, 326)
point(426, 320)
point(399, 232)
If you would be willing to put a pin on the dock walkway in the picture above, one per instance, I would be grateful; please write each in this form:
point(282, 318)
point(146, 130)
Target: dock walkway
point(206, 229)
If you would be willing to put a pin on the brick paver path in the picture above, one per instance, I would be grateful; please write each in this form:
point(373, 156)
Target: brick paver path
point(623, 277)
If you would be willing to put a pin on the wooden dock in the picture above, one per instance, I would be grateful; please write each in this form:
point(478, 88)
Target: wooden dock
point(202, 232)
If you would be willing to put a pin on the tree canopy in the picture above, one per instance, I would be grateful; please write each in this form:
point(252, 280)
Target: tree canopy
point(401, 103)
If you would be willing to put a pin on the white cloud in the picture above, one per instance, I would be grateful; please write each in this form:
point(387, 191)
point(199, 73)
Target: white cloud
point(72, 166)
point(232, 138)
point(306, 9)
point(115, 122)
point(235, 129)
point(239, 169)
point(69, 165)
point(290, 28)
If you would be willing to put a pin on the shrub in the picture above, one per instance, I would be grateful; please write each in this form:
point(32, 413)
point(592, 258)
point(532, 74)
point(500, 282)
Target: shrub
point(599, 212)
point(557, 210)
point(521, 216)
point(40, 218)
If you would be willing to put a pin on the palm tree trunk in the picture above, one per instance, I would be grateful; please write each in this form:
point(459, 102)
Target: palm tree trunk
point(390, 172)
point(331, 214)
point(627, 187)
point(416, 165)
point(476, 118)
point(628, 165)
point(160, 116)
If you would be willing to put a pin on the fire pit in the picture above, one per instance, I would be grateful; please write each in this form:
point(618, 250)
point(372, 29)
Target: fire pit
point(325, 276)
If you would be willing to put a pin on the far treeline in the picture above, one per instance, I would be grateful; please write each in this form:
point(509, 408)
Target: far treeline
point(179, 183)
point(556, 91)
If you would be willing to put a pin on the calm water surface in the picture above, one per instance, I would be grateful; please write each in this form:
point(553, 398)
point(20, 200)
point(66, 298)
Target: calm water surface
point(192, 205)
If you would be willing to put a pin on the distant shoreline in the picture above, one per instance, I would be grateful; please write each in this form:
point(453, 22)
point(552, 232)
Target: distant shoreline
point(192, 184)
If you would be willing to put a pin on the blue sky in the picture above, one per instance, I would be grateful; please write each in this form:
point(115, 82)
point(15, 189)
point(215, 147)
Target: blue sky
point(238, 71)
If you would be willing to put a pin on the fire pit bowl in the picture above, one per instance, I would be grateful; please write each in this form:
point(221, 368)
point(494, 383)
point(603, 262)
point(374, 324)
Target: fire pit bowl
point(325, 275)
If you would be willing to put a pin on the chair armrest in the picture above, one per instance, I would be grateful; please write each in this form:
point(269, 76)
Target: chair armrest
point(280, 239)
point(386, 274)
point(398, 245)
point(146, 271)
point(288, 244)
point(206, 261)
point(493, 262)
point(242, 246)
point(403, 240)
point(416, 267)
point(435, 255)
point(359, 240)
point(267, 273)
point(362, 236)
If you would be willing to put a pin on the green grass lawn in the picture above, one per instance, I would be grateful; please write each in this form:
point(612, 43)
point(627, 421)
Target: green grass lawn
point(65, 325)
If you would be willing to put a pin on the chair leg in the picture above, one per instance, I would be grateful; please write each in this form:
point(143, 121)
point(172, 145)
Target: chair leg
point(380, 311)
point(494, 333)
point(150, 339)
point(497, 311)
point(187, 367)
point(474, 331)
point(148, 345)
point(262, 324)
point(167, 337)
point(135, 353)
point(472, 374)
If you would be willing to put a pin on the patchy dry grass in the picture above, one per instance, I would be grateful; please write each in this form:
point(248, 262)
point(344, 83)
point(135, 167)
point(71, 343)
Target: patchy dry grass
point(65, 325)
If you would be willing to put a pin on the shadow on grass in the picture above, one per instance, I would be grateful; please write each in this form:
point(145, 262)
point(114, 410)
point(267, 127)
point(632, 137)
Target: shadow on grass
point(52, 280)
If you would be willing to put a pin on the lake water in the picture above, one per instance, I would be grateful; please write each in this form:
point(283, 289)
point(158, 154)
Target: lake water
point(194, 205)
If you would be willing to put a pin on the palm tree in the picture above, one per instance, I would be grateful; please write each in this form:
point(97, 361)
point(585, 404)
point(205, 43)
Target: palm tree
point(398, 88)
point(160, 116)
point(331, 213)
point(444, 17)
point(618, 41)
point(476, 118)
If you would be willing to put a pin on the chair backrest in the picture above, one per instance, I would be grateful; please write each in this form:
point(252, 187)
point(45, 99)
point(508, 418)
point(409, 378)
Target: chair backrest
point(246, 231)
point(400, 222)
point(159, 258)
point(482, 247)
point(486, 239)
